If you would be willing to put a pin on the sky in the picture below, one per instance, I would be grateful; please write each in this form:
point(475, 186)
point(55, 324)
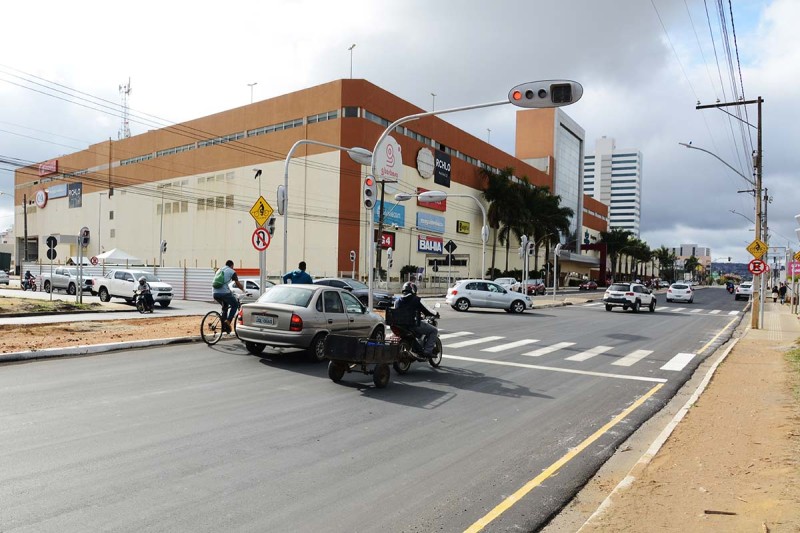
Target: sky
point(643, 64)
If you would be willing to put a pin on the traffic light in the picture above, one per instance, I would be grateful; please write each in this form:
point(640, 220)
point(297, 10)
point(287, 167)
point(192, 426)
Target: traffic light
point(271, 226)
point(163, 247)
point(370, 190)
point(352, 255)
point(547, 93)
point(84, 236)
point(390, 254)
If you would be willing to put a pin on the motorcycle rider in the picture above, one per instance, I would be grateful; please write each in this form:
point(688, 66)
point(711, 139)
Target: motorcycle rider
point(410, 305)
point(26, 282)
point(144, 289)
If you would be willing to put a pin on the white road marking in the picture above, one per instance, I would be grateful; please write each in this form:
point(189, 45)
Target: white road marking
point(472, 341)
point(549, 349)
point(510, 345)
point(678, 362)
point(455, 334)
point(696, 310)
point(714, 312)
point(588, 354)
point(678, 309)
point(593, 304)
point(633, 357)
point(734, 313)
point(553, 369)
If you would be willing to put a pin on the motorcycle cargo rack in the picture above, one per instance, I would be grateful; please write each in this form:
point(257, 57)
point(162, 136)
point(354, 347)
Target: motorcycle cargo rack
point(360, 350)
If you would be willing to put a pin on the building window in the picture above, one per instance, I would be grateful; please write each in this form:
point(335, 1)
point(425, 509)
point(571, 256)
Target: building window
point(210, 203)
point(350, 112)
point(184, 206)
point(112, 233)
point(220, 202)
point(201, 204)
point(158, 209)
point(111, 215)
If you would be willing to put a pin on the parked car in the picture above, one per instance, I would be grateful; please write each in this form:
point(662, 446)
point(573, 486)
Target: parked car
point(743, 291)
point(663, 284)
point(380, 299)
point(482, 293)
point(63, 278)
point(534, 287)
point(251, 286)
point(121, 284)
point(301, 316)
point(509, 284)
point(590, 285)
point(625, 295)
point(4, 278)
point(681, 292)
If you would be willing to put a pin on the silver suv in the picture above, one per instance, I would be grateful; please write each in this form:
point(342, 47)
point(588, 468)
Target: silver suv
point(633, 295)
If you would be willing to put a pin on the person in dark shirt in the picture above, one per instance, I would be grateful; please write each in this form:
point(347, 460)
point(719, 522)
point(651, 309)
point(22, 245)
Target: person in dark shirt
point(299, 275)
point(413, 306)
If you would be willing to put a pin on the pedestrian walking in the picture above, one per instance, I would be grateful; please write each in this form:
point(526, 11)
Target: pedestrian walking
point(782, 293)
point(775, 294)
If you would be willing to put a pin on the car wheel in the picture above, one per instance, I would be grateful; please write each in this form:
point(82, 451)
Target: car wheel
point(71, 289)
point(378, 335)
point(691, 301)
point(635, 307)
point(462, 304)
point(316, 351)
point(653, 306)
point(104, 296)
point(46, 286)
point(668, 300)
point(164, 303)
point(517, 306)
point(254, 348)
point(608, 307)
point(624, 307)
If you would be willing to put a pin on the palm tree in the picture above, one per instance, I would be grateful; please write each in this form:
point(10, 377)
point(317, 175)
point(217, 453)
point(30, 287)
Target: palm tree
point(615, 240)
point(496, 191)
point(666, 260)
point(690, 265)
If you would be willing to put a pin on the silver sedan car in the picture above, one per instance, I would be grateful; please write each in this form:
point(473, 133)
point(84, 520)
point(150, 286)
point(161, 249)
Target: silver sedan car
point(301, 316)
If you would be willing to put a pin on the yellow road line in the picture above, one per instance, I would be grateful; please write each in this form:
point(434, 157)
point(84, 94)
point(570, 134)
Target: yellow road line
point(552, 469)
point(701, 350)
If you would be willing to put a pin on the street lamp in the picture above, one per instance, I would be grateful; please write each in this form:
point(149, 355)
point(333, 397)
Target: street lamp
point(251, 85)
point(351, 59)
point(362, 156)
point(439, 196)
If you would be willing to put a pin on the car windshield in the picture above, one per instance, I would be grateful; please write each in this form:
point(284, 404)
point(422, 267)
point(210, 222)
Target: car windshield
point(286, 294)
point(619, 287)
point(146, 275)
point(356, 284)
point(746, 285)
point(677, 286)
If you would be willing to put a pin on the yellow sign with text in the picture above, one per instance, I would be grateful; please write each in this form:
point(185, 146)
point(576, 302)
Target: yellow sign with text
point(757, 248)
point(462, 226)
point(261, 211)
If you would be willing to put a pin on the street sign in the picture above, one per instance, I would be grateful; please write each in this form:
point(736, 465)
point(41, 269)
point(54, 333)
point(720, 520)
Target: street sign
point(757, 267)
point(757, 248)
point(261, 239)
point(52, 242)
point(261, 211)
point(51, 254)
point(94, 260)
point(797, 256)
point(450, 246)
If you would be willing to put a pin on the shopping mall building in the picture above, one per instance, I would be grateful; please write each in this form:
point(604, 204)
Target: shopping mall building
point(194, 186)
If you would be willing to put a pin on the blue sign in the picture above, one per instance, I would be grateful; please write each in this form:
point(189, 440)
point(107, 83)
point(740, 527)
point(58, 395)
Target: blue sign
point(393, 214)
point(57, 191)
point(429, 222)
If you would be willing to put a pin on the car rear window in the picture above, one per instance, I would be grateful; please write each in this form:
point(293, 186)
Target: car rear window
point(286, 294)
point(619, 287)
point(676, 286)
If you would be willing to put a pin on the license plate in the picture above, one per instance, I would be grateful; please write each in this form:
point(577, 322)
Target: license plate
point(264, 320)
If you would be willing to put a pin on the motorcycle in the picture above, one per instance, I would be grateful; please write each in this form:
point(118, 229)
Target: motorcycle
point(411, 346)
point(141, 302)
point(730, 289)
point(29, 284)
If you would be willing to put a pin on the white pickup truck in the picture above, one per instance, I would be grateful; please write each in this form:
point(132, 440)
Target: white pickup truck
point(63, 278)
point(122, 283)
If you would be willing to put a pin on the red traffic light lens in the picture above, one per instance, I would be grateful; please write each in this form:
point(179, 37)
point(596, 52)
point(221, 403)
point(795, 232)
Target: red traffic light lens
point(516, 95)
point(368, 182)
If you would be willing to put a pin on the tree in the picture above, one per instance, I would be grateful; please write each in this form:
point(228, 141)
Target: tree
point(666, 261)
point(615, 240)
point(691, 264)
point(496, 191)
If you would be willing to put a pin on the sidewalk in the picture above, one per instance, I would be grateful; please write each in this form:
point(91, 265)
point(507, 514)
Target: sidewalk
point(728, 461)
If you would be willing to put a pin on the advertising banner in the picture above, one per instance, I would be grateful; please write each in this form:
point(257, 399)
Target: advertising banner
point(429, 222)
point(431, 245)
point(439, 206)
point(75, 193)
point(441, 173)
point(57, 191)
point(393, 214)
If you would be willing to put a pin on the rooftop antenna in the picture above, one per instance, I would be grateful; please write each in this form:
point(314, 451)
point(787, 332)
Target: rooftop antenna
point(125, 129)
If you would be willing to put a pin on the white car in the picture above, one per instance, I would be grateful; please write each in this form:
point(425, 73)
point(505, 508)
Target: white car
point(510, 284)
point(744, 291)
point(680, 292)
point(483, 293)
point(633, 295)
point(251, 287)
point(4, 277)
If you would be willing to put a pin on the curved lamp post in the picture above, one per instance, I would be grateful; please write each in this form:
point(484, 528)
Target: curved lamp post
point(438, 196)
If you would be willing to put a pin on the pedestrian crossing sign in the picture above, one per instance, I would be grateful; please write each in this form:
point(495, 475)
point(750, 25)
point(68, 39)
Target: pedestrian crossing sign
point(757, 248)
point(261, 211)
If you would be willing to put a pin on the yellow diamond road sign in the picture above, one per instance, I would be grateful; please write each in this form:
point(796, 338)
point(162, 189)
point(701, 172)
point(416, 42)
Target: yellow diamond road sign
point(261, 211)
point(757, 248)
point(797, 256)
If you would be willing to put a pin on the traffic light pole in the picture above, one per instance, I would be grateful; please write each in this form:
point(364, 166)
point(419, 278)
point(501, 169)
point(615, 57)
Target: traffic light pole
point(758, 294)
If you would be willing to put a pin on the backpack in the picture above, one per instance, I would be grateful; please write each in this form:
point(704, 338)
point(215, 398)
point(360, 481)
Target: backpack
point(219, 279)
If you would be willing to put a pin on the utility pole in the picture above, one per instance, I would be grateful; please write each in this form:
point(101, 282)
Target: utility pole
point(757, 294)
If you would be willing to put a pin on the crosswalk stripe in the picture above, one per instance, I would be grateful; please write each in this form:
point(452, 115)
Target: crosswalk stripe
point(633, 357)
point(470, 342)
point(714, 312)
point(696, 310)
point(678, 309)
point(510, 345)
point(593, 304)
point(549, 349)
point(588, 354)
point(734, 313)
point(455, 334)
point(678, 362)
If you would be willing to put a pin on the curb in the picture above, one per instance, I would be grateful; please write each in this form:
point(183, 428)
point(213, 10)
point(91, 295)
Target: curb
point(71, 312)
point(48, 353)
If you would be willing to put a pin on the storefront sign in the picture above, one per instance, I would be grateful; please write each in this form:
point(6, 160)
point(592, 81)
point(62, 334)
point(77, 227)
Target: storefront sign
point(388, 239)
point(393, 214)
point(425, 163)
point(41, 198)
point(57, 191)
point(439, 206)
point(428, 244)
point(388, 161)
point(441, 174)
point(75, 193)
point(462, 226)
point(429, 222)
point(48, 167)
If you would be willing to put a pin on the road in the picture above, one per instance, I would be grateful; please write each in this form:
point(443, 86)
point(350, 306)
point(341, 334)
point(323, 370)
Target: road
point(195, 438)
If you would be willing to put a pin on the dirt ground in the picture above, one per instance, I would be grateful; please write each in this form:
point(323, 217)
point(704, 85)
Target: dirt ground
point(732, 464)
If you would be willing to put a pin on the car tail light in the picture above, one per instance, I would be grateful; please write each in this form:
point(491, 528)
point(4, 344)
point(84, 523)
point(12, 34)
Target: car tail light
point(453, 291)
point(669, 290)
point(628, 294)
point(239, 317)
point(295, 323)
point(397, 331)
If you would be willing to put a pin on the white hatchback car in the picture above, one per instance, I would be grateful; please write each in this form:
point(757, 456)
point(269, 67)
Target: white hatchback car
point(680, 292)
point(483, 293)
point(510, 284)
point(744, 291)
point(633, 295)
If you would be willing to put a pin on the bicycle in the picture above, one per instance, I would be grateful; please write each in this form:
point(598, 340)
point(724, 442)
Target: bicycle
point(212, 327)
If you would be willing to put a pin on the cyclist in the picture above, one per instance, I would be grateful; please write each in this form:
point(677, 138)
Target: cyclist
point(222, 293)
point(410, 304)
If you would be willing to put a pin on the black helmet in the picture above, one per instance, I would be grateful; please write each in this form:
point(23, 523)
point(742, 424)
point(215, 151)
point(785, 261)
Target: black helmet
point(409, 288)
